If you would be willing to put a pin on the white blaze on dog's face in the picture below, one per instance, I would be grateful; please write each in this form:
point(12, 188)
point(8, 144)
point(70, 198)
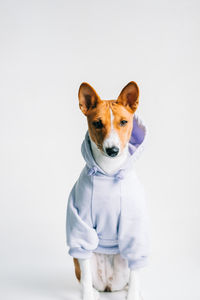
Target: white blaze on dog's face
point(110, 122)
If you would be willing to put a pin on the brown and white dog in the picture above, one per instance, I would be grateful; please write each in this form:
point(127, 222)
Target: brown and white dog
point(110, 125)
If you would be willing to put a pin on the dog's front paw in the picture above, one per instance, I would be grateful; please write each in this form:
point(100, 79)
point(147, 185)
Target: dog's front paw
point(90, 294)
point(133, 295)
point(96, 294)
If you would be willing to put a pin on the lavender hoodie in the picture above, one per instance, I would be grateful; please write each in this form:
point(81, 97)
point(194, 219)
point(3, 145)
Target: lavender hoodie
point(107, 213)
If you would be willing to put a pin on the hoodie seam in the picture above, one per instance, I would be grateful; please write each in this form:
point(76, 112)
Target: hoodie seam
point(120, 196)
point(120, 203)
point(92, 195)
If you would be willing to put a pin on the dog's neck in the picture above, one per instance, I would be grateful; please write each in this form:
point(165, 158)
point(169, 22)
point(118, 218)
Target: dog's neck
point(108, 164)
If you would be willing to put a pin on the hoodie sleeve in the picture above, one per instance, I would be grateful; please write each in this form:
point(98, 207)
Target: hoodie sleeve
point(133, 226)
point(81, 237)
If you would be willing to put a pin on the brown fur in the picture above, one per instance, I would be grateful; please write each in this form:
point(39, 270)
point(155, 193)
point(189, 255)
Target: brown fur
point(101, 112)
point(77, 269)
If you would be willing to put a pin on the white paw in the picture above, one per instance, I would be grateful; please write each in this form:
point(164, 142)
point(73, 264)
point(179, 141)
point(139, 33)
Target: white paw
point(90, 294)
point(96, 294)
point(132, 295)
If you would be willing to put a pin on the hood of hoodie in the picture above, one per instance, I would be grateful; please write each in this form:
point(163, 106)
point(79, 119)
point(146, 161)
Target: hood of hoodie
point(135, 147)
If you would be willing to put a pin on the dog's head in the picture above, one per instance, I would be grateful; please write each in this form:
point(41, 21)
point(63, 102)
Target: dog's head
point(109, 122)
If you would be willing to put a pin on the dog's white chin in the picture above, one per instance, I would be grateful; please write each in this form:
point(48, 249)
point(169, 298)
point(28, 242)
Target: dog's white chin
point(107, 163)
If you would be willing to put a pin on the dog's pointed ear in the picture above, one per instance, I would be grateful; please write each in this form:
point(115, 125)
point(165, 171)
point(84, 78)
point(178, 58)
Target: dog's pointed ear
point(129, 96)
point(88, 98)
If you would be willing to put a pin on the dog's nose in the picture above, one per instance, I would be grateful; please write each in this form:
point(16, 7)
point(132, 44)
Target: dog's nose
point(113, 151)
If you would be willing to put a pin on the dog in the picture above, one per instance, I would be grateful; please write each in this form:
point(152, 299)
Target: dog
point(107, 222)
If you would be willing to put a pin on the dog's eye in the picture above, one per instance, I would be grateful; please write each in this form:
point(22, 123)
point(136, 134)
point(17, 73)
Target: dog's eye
point(123, 122)
point(98, 124)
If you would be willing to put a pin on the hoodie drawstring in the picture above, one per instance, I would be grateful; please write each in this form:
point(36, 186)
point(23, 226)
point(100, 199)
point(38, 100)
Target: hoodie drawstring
point(118, 176)
point(92, 171)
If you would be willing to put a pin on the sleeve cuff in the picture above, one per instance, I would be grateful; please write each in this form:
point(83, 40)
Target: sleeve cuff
point(137, 264)
point(79, 252)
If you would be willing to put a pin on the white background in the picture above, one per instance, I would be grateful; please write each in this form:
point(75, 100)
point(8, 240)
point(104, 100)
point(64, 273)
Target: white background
point(47, 48)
